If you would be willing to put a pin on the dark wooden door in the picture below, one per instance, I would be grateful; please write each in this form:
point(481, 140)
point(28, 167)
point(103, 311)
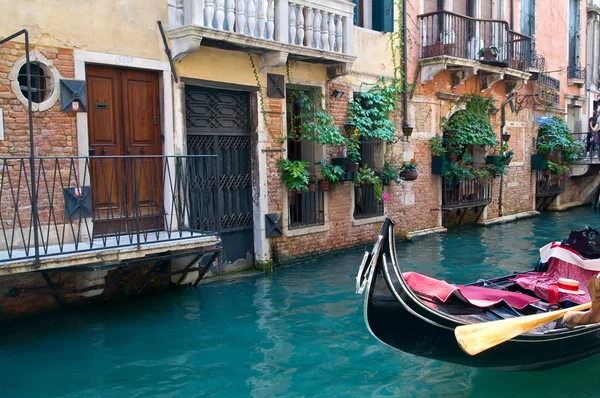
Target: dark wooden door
point(124, 126)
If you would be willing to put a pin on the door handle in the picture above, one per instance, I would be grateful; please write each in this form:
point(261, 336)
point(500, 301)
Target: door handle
point(143, 150)
point(103, 150)
point(128, 150)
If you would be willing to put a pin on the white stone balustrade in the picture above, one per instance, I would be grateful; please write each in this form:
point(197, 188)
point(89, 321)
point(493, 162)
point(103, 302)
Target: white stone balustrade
point(326, 25)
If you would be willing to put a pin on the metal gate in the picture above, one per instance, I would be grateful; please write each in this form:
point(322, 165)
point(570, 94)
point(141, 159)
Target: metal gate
point(218, 122)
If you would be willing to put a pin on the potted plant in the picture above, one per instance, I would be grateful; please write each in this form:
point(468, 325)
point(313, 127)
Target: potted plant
point(482, 176)
point(562, 170)
point(367, 176)
point(455, 173)
point(438, 152)
point(489, 53)
point(453, 152)
point(294, 174)
point(353, 155)
point(331, 175)
point(388, 174)
point(409, 170)
point(312, 183)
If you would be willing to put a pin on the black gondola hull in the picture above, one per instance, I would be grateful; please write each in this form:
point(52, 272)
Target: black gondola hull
point(395, 316)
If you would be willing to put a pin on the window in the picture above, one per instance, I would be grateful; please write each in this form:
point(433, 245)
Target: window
point(44, 78)
point(304, 208)
point(41, 86)
point(374, 14)
point(574, 32)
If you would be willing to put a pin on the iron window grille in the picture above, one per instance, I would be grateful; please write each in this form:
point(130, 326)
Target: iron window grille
point(306, 208)
point(366, 204)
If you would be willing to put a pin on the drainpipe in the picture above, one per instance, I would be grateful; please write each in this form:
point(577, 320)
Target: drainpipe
point(512, 14)
point(404, 68)
point(502, 125)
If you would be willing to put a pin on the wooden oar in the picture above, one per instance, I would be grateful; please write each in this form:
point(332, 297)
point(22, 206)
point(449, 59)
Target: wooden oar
point(478, 337)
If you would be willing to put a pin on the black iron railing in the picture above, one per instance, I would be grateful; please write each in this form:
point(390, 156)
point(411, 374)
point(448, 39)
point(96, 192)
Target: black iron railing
point(366, 203)
point(537, 61)
point(590, 142)
point(465, 193)
point(94, 203)
point(491, 41)
point(306, 208)
point(548, 184)
point(576, 72)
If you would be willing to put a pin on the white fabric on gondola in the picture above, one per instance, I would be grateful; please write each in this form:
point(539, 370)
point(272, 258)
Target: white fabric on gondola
point(566, 254)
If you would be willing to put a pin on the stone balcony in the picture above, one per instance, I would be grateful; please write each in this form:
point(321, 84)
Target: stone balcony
point(277, 30)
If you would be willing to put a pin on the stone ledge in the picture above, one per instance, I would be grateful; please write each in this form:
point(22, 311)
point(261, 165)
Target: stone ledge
point(509, 218)
point(422, 232)
point(566, 206)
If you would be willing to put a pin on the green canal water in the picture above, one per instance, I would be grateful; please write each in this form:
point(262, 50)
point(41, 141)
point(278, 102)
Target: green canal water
point(296, 333)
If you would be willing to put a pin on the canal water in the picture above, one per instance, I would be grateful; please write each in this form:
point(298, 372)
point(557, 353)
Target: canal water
point(298, 332)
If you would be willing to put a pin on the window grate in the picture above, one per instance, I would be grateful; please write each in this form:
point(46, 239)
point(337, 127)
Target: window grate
point(366, 204)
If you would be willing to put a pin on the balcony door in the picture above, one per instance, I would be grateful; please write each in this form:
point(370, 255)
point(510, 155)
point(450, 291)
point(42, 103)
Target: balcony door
point(123, 122)
point(574, 32)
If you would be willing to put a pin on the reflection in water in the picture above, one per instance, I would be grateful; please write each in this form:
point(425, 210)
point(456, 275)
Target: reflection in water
point(296, 333)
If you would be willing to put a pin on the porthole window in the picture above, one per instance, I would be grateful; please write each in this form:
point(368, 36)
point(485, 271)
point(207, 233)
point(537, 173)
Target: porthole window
point(41, 82)
point(44, 81)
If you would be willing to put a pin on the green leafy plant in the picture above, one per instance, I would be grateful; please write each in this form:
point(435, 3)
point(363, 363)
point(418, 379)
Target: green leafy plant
point(294, 174)
point(331, 173)
point(371, 111)
point(493, 50)
point(315, 124)
point(410, 165)
point(467, 158)
point(455, 172)
point(472, 124)
point(388, 174)
point(563, 170)
point(437, 146)
point(483, 176)
point(557, 136)
point(366, 175)
point(353, 149)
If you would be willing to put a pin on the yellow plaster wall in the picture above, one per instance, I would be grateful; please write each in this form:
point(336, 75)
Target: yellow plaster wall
point(235, 67)
point(126, 27)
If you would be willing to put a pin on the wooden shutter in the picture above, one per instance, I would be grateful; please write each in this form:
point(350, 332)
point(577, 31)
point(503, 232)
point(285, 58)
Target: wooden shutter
point(430, 6)
point(486, 9)
point(383, 15)
point(460, 7)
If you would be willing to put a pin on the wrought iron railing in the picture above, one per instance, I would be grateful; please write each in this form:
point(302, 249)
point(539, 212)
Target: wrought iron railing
point(97, 202)
point(537, 61)
point(366, 203)
point(576, 72)
point(492, 41)
point(465, 193)
point(306, 208)
point(590, 144)
point(548, 183)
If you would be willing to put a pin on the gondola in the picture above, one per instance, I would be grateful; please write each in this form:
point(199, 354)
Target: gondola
point(412, 322)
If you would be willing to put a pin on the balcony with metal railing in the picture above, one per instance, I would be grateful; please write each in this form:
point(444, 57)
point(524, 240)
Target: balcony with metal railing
point(276, 29)
point(94, 211)
point(464, 194)
point(576, 75)
point(470, 46)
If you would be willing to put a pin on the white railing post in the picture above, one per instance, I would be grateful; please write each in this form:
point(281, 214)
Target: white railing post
point(230, 14)
point(197, 12)
point(240, 19)
point(270, 19)
point(282, 23)
point(210, 12)
point(347, 37)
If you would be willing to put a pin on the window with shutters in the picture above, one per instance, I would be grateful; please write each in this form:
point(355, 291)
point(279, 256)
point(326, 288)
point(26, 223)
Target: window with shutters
point(574, 32)
point(374, 14)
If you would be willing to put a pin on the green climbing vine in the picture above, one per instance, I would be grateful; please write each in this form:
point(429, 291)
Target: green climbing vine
point(261, 100)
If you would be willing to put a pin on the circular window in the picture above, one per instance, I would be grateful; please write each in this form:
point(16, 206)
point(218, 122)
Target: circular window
point(41, 82)
point(44, 80)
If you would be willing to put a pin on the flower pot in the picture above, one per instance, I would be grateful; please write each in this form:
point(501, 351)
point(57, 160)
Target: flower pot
point(294, 191)
point(324, 185)
point(409, 175)
point(452, 157)
point(351, 167)
point(312, 187)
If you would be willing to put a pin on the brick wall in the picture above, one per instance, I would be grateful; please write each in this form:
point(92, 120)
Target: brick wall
point(54, 135)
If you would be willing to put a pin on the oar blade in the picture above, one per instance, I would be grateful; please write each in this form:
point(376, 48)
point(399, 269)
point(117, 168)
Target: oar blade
point(478, 337)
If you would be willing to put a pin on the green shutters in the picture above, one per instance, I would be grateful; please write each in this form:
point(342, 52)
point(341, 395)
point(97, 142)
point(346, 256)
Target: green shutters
point(383, 15)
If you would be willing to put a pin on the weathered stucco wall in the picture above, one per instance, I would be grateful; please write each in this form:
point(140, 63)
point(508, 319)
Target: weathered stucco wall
point(113, 26)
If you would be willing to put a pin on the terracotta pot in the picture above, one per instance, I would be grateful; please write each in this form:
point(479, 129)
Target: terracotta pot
point(351, 167)
point(324, 185)
point(312, 187)
point(452, 157)
point(409, 175)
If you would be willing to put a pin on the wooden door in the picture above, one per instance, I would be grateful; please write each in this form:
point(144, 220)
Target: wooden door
point(123, 124)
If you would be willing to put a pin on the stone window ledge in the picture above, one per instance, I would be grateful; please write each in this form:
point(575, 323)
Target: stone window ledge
point(370, 220)
point(317, 229)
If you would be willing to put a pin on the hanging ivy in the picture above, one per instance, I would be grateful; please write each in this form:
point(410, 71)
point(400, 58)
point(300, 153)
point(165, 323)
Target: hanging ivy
point(371, 111)
point(472, 124)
